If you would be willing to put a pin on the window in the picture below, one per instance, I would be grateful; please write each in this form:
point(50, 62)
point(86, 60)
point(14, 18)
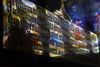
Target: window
point(51, 25)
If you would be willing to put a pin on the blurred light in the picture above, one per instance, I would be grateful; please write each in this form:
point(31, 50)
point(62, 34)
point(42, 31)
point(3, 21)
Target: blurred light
point(56, 32)
point(73, 38)
point(82, 51)
point(94, 37)
point(95, 49)
point(39, 52)
point(97, 13)
point(55, 39)
point(33, 32)
point(5, 5)
point(5, 37)
point(16, 17)
point(54, 55)
point(28, 3)
point(57, 12)
point(39, 42)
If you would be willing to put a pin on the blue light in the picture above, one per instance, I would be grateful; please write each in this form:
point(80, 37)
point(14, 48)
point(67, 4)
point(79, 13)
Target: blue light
point(56, 40)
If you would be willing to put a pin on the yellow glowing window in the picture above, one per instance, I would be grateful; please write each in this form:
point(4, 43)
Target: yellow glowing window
point(34, 32)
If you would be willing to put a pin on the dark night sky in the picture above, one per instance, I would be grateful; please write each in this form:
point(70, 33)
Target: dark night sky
point(51, 4)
